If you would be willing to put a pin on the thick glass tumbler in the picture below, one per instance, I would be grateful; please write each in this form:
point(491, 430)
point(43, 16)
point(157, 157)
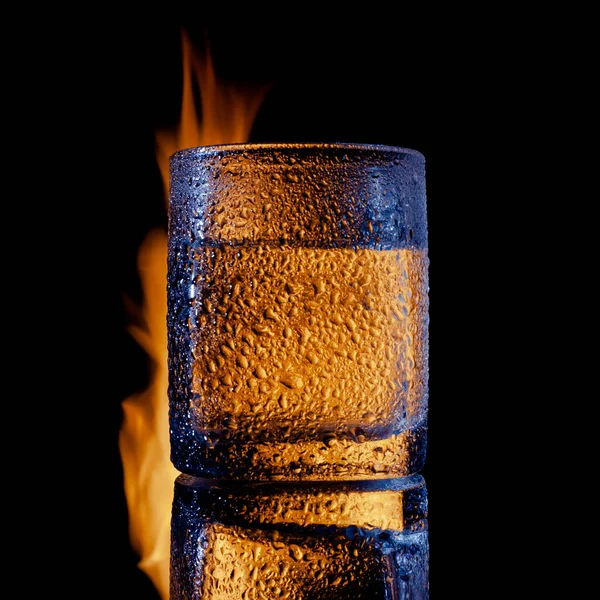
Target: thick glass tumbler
point(298, 311)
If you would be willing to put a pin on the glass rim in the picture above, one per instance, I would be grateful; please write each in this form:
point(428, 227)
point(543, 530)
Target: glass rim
point(236, 147)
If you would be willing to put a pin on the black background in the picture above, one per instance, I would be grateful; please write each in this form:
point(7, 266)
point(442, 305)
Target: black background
point(447, 90)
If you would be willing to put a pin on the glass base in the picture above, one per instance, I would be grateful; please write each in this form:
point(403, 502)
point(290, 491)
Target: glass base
point(338, 459)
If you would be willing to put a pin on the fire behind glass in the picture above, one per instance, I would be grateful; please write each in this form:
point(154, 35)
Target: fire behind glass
point(298, 312)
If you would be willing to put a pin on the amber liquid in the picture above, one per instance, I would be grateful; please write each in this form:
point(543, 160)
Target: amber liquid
point(291, 347)
point(295, 340)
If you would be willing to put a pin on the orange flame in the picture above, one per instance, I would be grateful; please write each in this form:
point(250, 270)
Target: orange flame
point(228, 111)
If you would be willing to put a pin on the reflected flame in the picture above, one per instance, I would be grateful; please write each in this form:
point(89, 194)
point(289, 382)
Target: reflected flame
point(228, 111)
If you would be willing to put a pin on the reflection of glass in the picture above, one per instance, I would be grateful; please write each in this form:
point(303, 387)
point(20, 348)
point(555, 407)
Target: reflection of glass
point(325, 540)
point(298, 311)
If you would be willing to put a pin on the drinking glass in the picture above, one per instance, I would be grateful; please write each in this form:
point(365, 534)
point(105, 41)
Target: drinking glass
point(298, 311)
